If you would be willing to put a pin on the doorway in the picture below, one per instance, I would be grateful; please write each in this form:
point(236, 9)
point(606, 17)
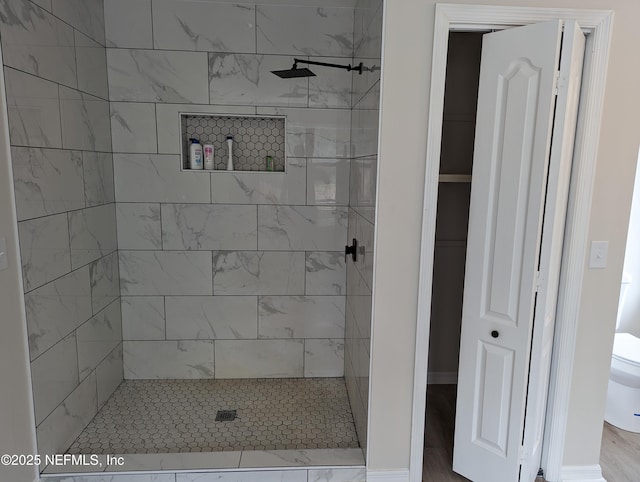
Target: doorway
point(452, 17)
point(454, 189)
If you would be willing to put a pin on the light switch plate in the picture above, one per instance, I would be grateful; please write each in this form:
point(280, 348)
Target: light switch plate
point(4, 264)
point(598, 254)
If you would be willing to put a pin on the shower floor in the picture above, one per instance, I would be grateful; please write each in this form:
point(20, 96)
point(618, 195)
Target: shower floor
point(167, 416)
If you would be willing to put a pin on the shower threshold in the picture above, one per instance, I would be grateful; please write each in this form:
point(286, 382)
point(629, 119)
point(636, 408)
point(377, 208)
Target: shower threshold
point(151, 425)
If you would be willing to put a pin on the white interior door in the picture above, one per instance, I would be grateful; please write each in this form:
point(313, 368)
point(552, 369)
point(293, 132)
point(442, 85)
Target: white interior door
point(516, 104)
point(563, 139)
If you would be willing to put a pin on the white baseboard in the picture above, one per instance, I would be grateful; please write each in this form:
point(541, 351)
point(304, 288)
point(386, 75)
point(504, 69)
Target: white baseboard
point(581, 473)
point(442, 378)
point(388, 475)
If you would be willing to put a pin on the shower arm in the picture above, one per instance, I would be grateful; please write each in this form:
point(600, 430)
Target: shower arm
point(359, 68)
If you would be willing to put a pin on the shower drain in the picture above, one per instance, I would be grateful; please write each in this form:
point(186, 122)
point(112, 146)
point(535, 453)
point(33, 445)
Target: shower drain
point(226, 415)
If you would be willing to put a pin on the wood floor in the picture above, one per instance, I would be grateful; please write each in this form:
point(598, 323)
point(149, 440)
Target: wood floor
point(438, 436)
point(620, 455)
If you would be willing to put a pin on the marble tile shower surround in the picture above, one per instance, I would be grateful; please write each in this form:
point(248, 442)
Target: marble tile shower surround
point(230, 275)
point(362, 195)
point(65, 119)
point(60, 131)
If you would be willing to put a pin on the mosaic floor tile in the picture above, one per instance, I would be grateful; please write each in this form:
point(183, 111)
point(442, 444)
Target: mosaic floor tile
point(171, 416)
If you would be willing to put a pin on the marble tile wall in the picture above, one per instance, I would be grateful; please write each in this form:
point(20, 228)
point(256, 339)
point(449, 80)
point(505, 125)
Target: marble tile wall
point(60, 130)
point(362, 196)
point(296, 473)
point(229, 274)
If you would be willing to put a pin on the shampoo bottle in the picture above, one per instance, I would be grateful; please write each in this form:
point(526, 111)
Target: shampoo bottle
point(208, 156)
point(230, 151)
point(195, 154)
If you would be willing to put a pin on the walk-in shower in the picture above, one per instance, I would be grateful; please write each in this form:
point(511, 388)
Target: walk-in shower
point(195, 319)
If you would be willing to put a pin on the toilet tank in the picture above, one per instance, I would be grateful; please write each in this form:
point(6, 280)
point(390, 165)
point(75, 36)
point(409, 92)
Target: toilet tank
point(626, 281)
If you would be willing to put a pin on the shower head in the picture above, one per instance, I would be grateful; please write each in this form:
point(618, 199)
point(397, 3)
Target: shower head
point(294, 72)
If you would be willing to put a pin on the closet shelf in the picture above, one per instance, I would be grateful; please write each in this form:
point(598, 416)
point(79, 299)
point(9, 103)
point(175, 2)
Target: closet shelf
point(454, 178)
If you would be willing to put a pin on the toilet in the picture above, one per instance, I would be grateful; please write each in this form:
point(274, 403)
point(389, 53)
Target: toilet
point(623, 395)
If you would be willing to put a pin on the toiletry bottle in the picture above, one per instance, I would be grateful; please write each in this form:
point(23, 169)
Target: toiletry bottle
point(269, 163)
point(230, 151)
point(207, 149)
point(195, 154)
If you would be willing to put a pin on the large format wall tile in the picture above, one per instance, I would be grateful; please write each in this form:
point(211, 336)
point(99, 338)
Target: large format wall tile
point(128, 23)
point(206, 26)
point(273, 188)
point(133, 127)
point(157, 178)
point(33, 107)
point(256, 476)
point(98, 178)
point(168, 121)
point(85, 121)
point(168, 359)
point(259, 358)
point(85, 15)
point(44, 248)
point(328, 182)
point(324, 358)
point(364, 132)
point(211, 317)
point(209, 227)
point(143, 318)
point(105, 281)
point(35, 41)
point(138, 226)
point(337, 475)
point(247, 79)
point(92, 233)
point(326, 273)
point(330, 87)
point(98, 337)
point(305, 30)
point(165, 273)
point(109, 375)
point(301, 316)
point(258, 273)
point(91, 59)
point(302, 228)
point(315, 132)
point(58, 431)
point(56, 309)
point(54, 376)
point(151, 76)
point(47, 181)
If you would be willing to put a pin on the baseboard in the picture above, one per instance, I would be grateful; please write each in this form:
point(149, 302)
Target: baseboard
point(388, 475)
point(442, 378)
point(581, 473)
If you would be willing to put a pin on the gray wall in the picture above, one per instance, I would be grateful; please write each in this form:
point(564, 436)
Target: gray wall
point(458, 128)
point(364, 163)
point(56, 79)
point(630, 321)
point(230, 275)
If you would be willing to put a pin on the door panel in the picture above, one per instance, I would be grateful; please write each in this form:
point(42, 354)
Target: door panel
point(513, 132)
point(517, 99)
point(564, 129)
point(495, 373)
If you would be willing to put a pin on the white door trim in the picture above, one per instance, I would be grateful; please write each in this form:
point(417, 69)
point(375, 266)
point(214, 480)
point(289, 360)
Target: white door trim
point(597, 24)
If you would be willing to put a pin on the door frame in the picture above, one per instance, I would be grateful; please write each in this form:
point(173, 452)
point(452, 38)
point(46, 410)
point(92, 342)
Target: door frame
point(597, 26)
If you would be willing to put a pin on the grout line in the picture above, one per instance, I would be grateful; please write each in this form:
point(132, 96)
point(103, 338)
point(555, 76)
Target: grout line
point(153, 35)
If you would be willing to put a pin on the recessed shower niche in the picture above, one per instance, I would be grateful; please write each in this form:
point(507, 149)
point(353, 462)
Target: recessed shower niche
point(254, 139)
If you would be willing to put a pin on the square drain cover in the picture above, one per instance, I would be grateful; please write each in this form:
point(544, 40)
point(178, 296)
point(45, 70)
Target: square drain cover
point(225, 415)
